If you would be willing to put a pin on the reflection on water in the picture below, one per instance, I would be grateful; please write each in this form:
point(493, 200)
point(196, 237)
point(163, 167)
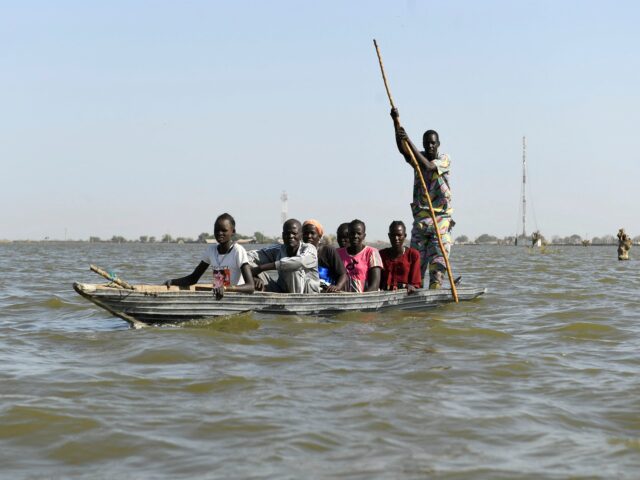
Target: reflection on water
point(538, 379)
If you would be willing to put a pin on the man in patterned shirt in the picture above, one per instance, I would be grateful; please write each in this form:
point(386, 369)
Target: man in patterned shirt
point(435, 171)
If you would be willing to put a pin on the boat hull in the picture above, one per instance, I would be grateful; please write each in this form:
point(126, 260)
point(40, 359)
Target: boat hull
point(148, 304)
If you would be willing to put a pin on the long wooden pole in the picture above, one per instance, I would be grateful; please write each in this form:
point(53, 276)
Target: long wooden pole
point(414, 163)
point(113, 278)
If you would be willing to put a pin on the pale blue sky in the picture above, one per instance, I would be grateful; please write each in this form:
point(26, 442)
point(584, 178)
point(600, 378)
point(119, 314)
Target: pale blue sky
point(151, 117)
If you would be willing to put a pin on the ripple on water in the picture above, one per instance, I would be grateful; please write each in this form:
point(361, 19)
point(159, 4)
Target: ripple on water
point(632, 444)
point(519, 369)
point(437, 372)
point(49, 314)
point(578, 312)
point(445, 331)
point(608, 280)
point(246, 427)
point(41, 425)
point(316, 442)
point(219, 385)
point(232, 324)
point(162, 356)
point(99, 448)
point(57, 302)
point(589, 331)
point(569, 294)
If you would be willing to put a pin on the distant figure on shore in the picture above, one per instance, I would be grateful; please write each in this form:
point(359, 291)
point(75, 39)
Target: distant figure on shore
point(537, 239)
point(400, 264)
point(434, 167)
point(294, 264)
point(333, 275)
point(228, 260)
point(624, 245)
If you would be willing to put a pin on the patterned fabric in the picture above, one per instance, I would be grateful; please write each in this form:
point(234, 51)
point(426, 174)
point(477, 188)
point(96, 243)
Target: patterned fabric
point(423, 234)
point(358, 266)
point(424, 239)
point(438, 185)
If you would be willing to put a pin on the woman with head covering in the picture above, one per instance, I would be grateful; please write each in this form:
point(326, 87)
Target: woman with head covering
point(333, 275)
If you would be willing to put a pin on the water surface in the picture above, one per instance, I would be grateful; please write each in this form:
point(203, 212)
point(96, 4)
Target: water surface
point(537, 379)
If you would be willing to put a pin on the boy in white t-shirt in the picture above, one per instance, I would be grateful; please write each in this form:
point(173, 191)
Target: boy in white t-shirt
point(228, 260)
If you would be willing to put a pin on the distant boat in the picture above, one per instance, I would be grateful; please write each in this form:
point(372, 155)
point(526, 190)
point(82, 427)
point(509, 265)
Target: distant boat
point(153, 304)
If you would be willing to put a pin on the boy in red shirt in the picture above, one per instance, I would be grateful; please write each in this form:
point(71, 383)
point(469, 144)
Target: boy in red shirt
point(400, 264)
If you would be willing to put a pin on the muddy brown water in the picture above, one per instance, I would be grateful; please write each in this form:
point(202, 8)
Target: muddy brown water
point(537, 379)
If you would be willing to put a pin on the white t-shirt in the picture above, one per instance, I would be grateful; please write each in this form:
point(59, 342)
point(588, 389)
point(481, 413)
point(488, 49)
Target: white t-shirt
point(229, 262)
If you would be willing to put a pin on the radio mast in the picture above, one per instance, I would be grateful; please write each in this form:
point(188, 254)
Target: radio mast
point(524, 189)
point(284, 213)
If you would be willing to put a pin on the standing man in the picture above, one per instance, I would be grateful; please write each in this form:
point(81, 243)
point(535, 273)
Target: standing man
point(434, 167)
point(294, 262)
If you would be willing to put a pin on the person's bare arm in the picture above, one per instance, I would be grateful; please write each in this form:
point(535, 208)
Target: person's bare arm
point(373, 279)
point(403, 138)
point(405, 144)
point(248, 286)
point(341, 283)
point(189, 279)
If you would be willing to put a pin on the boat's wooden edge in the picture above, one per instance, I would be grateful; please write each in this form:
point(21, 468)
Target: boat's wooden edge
point(90, 288)
point(86, 290)
point(100, 293)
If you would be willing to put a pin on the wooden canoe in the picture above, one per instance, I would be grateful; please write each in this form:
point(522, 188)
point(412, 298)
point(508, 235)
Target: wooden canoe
point(152, 304)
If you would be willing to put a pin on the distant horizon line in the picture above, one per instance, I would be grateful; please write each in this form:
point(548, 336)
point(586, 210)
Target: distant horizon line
point(489, 239)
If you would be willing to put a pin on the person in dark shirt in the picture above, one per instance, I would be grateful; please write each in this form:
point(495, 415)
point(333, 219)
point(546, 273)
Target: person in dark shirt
point(400, 264)
point(333, 275)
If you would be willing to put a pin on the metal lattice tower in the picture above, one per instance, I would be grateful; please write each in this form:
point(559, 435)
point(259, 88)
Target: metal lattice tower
point(285, 213)
point(524, 189)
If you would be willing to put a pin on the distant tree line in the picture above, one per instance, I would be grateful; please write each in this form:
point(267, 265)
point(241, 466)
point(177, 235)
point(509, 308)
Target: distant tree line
point(258, 237)
point(484, 239)
point(575, 239)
